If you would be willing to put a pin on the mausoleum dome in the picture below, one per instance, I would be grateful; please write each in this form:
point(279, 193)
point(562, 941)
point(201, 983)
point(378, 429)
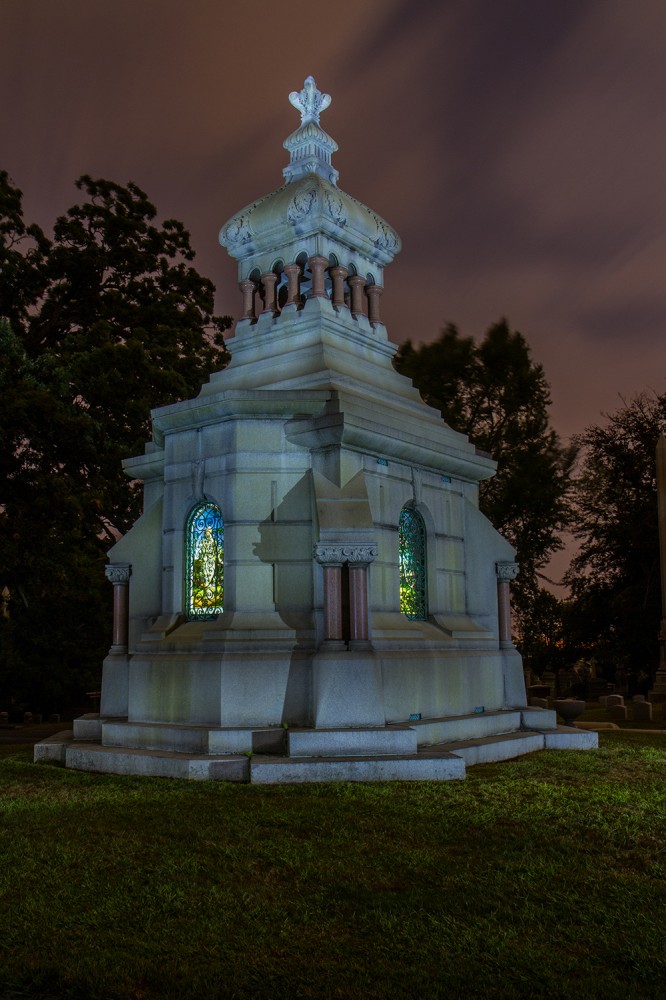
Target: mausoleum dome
point(309, 215)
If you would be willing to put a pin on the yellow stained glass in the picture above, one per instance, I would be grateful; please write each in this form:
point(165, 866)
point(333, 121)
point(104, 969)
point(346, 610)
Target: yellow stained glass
point(204, 562)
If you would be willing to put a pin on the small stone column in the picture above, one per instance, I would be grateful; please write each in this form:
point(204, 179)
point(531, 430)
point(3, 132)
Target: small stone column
point(338, 275)
point(357, 286)
point(359, 558)
point(373, 292)
point(318, 267)
point(506, 572)
point(248, 289)
point(330, 559)
point(119, 574)
point(293, 272)
point(269, 281)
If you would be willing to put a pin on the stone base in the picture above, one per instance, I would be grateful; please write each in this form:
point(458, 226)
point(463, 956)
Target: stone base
point(429, 750)
point(347, 689)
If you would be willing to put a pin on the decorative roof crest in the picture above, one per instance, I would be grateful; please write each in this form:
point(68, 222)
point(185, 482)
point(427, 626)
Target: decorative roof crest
point(309, 101)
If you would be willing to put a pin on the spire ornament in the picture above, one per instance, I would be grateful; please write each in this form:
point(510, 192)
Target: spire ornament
point(309, 101)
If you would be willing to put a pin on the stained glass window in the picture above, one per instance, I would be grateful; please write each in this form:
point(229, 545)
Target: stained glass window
point(204, 573)
point(412, 553)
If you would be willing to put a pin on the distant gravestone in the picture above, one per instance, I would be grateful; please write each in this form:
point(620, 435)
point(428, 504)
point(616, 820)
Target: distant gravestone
point(642, 711)
point(550, 679)
point(603, 699)
point(614, 699)
point(618, 713)
point(638, 697)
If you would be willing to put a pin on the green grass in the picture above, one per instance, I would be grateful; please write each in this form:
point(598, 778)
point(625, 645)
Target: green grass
point(543, 877)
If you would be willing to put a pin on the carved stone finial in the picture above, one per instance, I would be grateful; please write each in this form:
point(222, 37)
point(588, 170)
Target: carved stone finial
point(309, 101)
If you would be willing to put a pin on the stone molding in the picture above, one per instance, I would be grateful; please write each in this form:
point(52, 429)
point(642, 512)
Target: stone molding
point(336, 555)
point(507, 570)
point(118, 572)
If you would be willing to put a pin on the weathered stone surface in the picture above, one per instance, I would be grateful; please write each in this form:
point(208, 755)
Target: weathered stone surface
point(114, 760)
point(268, 771)
point(538, 717)
point(88, 727)
point(641, 711)
point(496, 748)
point(351, 742)
point(53, 748)
point(567, 738)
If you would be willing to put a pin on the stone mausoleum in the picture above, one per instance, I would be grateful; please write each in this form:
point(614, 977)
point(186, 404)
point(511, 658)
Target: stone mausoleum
point(311, 592)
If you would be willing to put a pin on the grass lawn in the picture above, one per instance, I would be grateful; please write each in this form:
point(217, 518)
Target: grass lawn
point(540, 877)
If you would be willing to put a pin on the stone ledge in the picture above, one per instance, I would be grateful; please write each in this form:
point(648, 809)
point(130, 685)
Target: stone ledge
point(421, 767)
point(52, 749)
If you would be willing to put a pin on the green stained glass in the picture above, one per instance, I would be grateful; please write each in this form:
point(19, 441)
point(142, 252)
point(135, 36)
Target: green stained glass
point(204, 580)
point(412, 552)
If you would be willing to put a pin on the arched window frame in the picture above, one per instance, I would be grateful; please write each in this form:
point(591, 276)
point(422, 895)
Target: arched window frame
point(412, 558)
point(204, 520)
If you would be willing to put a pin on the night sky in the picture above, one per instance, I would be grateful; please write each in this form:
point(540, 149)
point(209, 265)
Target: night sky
point(517, 146)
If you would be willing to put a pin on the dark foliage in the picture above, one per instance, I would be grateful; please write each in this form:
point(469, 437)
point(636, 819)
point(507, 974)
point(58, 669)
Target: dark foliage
point(614, 578)
point(496, 394)
point(105, 321)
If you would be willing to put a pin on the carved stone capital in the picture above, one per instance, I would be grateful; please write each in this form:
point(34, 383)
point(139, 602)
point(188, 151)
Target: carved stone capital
point(336, 555)
point(118, 572)
point(507, 570)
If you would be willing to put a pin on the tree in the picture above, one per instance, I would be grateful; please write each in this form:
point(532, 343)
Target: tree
point(22, 254)
point(496, 394)
point(614, 578)
point(107, 320)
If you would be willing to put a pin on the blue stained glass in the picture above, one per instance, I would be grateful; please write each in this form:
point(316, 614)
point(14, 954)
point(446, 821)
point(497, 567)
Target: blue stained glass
point(204, 562)
point(412, 554)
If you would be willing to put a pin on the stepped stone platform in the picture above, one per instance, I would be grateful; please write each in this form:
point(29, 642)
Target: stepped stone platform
point(423, 750)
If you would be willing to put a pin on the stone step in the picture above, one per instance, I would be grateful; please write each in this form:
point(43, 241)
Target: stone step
point(504, 746)
point(570, 738)
point(358, 742)
point(52, 749)
point(488, 749)
point(87, 727)
point(444, 762)
point(156, 763)
point(432, 732)
point(438, 766)
point(192, 739)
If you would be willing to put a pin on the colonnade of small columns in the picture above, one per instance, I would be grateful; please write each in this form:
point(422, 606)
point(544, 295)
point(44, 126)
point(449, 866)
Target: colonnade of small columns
point(356, 558)
point(360, 296)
